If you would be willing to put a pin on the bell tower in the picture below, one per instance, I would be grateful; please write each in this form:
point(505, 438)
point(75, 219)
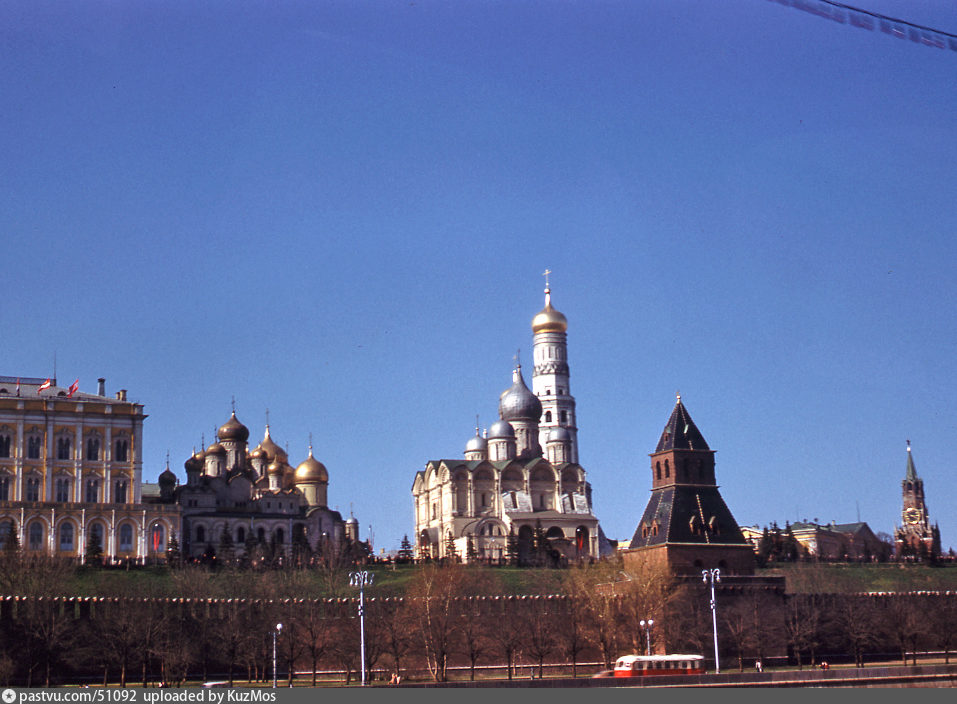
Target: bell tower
point(550, 379)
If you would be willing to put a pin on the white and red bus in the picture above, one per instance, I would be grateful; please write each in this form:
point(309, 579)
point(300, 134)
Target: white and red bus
point(649, 665)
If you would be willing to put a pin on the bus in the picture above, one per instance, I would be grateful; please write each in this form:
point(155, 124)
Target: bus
point(649, 665)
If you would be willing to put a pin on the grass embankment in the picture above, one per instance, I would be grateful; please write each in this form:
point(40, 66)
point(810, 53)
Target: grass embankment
point(300, 584)
point(828, 578)
point(389, 582)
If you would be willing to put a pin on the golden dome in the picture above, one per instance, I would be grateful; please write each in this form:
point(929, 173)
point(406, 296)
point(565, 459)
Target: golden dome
point(232, 429)
point(215, 449)
point(272, 450)
point(275, 467)
point(311, 470)
point(549, 319)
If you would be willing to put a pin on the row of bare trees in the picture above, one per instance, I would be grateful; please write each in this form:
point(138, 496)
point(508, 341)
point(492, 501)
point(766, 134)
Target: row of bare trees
point(448, 616)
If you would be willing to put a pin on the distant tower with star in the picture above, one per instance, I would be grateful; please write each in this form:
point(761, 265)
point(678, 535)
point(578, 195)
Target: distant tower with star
point(916, 538)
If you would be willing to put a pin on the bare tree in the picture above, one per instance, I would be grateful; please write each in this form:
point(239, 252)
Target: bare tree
point(855, 617)
point(433, 605)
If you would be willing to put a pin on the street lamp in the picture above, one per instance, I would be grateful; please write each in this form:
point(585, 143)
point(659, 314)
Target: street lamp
point(360, 579)
point(275, 674)
point(647, 626)
point(710, 577)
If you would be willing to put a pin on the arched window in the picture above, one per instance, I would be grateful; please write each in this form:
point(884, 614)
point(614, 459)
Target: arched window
point(4, 445)
point(548, 416)
point(261, 534)
point(200, 534)
point(564, 417)
point(96, 535)
point(35, 536)
point(667, 470)
point(126, 537)
point(240, 535)
point(93, 448)
point(63, 448)
point(4, 488)
point(32, 489)
point(280, 536)
point(33, 447)
point(66, 536)
point(658, 468)
point(6, 530)
point(119, 491)
point(92, 494)
point(158, 538)
point(62, 490)
point(121, 449)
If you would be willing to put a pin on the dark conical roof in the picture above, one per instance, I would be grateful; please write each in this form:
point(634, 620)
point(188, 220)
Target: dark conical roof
point(680, 432)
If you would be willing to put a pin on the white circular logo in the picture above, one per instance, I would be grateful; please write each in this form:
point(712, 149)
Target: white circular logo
point(9, 696)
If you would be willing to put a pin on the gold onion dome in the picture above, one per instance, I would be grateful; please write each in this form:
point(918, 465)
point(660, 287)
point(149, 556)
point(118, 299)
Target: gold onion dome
point(276, 467)
point(272, 450)
point(549, 319)
point(215, 449)
point(257, 453)
point(311, 470)
point(232, 429)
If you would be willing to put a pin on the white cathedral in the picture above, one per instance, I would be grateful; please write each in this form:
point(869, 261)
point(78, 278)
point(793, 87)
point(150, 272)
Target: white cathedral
point(507, 489)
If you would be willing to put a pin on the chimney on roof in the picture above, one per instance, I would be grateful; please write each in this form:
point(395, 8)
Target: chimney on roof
point(101, 387)
point(121, 395)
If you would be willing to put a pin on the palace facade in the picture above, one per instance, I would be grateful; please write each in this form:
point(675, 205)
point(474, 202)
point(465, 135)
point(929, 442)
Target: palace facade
point(71, 474)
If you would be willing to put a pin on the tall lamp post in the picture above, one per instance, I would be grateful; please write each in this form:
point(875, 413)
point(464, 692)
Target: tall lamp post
point(275, 672)
point(710, 577)
point(361, 579)
point(647, 626)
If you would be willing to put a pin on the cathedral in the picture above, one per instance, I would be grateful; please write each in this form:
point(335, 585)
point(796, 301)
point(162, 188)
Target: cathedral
point(916, 537)
point(238, 499)
point(519, 491)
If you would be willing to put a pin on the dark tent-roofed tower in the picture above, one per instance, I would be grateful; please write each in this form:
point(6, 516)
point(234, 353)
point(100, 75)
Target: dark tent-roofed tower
point(686, 523)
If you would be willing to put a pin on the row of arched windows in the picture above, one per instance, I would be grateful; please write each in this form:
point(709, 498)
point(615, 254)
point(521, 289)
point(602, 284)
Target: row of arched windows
point(67, 535)
point(64, 446)
point(279, 535)
point(685, 474)
point(62, 490)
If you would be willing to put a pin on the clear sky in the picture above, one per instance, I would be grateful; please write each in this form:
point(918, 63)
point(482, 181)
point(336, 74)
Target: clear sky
point(341, 211)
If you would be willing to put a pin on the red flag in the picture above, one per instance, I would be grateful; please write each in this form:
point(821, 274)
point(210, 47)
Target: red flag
point(73, 387)
point(44, 385)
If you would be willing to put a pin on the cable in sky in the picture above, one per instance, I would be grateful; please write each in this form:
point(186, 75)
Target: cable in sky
point(865, 19)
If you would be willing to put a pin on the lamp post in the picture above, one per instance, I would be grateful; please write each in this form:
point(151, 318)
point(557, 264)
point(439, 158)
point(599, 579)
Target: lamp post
point(275, 673)
point(647, 626)
point(360, 579)
point(710, 577)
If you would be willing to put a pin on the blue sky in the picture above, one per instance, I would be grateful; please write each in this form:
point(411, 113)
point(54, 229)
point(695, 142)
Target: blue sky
point(340, 211)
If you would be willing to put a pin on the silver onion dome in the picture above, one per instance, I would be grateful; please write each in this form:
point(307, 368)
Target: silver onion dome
point(559, 435)
point(501, 429)
point(517, 402)
point(476, 443)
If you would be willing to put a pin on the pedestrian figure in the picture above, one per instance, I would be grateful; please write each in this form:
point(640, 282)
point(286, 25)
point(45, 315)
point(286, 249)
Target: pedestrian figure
point(757, 666)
